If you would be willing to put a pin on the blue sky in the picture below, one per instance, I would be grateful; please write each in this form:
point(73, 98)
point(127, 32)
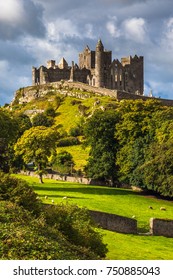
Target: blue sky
point(34, 31)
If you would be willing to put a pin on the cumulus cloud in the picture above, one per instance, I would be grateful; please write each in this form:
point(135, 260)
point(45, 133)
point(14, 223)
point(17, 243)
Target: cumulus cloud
point(62, 27)
point(168, 34)
point(112, 28)
point(34, 31)
point(11, 11)
point(135, 29)
point(20, 17)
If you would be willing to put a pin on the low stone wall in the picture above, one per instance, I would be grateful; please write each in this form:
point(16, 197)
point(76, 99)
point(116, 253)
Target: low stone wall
point(72, 179)
point(114, 222)
point(161, 227)
point(121, 95)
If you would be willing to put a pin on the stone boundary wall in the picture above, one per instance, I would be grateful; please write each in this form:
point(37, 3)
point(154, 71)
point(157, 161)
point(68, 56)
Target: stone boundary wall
point(161, 227)
point(121, 95)
point(72, 179)
point(114, 222)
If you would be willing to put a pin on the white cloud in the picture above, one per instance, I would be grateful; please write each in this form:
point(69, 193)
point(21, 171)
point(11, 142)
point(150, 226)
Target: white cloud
point(62, 27)
point(20, 17)
point(135, 29)
point(160, 89)
point(11, 11)
point(112, 28)
point(167, 40)
point(41, 49)
point(89, 32)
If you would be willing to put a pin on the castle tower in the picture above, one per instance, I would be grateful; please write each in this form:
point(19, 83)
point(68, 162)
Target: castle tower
point(99, 64)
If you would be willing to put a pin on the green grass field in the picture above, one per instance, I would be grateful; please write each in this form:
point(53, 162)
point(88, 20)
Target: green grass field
point(117, 201)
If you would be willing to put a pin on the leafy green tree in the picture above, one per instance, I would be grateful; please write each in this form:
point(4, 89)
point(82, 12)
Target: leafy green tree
point(135, 132)
point(23, 122)
point(157, 170)
point(8, 127)
point(36, 145)
point(99, 132)
point(8, 136)
point(63, 162)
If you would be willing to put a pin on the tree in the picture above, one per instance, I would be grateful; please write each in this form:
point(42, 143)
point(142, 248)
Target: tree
point(23, 122)
point(135, 132)
point(99, 132)
point(63, 162)
point(157, 170)
point(8, 135)
point(36, 145)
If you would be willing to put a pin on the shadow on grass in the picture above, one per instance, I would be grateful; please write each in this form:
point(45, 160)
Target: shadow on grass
point(84, 190)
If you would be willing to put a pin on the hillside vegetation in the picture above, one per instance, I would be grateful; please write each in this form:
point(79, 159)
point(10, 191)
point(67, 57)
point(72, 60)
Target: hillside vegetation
point(117, 201)
point(29, 230)
point(73, 106)
point(84, 130)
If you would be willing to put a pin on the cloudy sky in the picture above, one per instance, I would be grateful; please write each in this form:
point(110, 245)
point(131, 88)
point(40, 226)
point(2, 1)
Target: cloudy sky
point(34, 31)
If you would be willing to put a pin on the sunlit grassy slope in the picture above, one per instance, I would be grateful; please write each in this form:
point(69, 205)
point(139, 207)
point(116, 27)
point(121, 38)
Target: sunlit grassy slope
point(68, 114)
point(118, 201)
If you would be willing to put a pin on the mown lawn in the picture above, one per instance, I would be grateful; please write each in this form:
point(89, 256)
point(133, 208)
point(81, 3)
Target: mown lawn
point(118, 201)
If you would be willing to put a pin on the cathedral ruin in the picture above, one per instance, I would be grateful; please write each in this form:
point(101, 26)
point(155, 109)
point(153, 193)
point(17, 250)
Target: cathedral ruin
point(97, 69)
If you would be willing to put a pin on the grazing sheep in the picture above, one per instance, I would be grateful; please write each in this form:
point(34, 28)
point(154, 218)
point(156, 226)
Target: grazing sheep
point(52, 201)
point(46, 197)
point(65, 197)
point(162, 208)
point(133, 217)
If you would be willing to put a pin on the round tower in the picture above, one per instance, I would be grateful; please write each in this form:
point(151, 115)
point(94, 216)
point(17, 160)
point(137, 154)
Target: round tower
point(99, 64)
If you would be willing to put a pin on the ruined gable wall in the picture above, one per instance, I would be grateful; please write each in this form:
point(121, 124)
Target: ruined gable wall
point(53, 75)
point(133, 75)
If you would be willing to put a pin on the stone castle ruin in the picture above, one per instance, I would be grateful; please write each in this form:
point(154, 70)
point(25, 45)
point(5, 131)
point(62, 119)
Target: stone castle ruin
point(97, 69)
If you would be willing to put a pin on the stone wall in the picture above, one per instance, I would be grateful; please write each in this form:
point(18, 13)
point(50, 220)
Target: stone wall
point(28, 94)
point(114, 222)
point(161, 227)
point(72, 179)
point(121, 95)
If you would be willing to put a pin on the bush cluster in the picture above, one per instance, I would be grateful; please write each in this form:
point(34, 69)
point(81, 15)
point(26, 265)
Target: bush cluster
point(68, 141)
point(31, 230)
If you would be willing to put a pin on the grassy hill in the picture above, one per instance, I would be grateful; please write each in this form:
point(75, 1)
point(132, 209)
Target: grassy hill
point(117, 201)
point(73, 104)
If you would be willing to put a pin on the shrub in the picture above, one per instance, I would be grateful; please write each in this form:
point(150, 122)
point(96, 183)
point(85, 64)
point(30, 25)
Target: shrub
point(76, 224)
point(18, 191)
point(63, 162)
point(24, 237)
point(75, 131)
point(42, 120)
point(56, 232)
point(50, 112)
point(75, 102)
point(68, 141)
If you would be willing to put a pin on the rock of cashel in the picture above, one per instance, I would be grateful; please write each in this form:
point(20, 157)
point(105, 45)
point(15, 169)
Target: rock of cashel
point(96, 73)
point(97, 69)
